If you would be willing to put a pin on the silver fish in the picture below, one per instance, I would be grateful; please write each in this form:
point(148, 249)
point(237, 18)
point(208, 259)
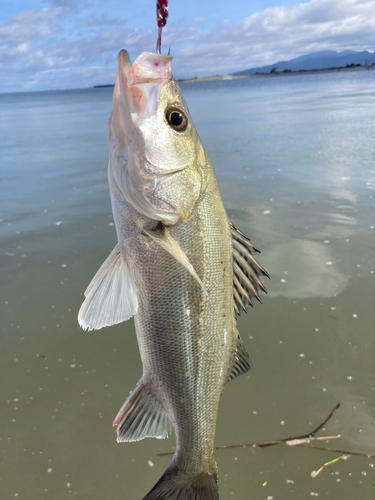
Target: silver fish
point(180, 268)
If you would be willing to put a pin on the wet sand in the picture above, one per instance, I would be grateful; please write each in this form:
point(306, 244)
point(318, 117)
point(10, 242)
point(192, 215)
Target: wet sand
point(295, 162)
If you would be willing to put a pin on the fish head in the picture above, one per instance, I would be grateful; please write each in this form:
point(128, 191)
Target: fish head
point(156, 157)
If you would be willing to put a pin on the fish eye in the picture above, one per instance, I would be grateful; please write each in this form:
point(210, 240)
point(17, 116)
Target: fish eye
point(177, 119)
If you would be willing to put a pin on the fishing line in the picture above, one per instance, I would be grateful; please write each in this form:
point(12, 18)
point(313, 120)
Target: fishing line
point(161, 19)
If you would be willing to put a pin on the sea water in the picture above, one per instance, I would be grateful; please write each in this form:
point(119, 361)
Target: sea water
point(295, 159)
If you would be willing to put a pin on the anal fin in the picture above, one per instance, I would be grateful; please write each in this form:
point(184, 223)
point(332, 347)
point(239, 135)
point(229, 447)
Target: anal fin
point(241, 360)
point(141, 416)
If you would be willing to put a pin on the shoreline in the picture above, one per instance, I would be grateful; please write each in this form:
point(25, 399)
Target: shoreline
point(216, 78)
point(272, 75)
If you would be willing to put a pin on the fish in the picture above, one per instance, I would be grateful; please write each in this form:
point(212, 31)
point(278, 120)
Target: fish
point(180, 267)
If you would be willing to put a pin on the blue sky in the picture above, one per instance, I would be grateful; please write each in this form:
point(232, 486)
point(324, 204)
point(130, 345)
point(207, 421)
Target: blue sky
point(58, 44)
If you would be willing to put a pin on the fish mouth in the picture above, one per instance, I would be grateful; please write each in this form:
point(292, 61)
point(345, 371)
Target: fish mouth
point(149, 68)
point(137, 83)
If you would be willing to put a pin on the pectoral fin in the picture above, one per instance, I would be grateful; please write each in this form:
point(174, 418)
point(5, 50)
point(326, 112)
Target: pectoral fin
point(165, 240)
point(110, 297)
point(246, 271)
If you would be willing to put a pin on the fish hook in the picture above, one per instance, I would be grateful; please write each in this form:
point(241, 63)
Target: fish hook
point(161, 19)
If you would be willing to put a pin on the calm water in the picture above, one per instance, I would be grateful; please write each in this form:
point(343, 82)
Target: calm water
point(295, 161)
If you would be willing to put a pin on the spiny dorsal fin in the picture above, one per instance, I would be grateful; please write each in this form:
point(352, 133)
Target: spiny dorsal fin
point(141, 416)
point(241, 360)
point(246, 271)
point(110, 297)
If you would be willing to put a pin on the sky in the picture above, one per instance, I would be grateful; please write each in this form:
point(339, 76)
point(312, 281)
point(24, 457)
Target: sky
point(61, 44)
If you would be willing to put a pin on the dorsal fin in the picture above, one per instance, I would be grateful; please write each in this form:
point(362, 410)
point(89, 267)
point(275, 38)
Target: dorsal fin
point(241, 360)
point(246, 271)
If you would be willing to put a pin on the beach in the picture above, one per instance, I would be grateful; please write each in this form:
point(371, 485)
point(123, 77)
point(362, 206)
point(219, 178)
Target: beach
point(294, 159)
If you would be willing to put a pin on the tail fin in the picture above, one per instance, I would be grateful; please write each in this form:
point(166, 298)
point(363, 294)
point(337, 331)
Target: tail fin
point(177, 485)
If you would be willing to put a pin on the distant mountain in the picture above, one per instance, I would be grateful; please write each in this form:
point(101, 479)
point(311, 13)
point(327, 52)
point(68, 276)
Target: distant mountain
point(318, 60)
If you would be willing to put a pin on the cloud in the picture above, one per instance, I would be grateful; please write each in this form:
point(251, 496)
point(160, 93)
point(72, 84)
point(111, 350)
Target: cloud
point(283, 33)
point(103, 20)
point(22, 48)
point(54, 62)
point(72, 4)
point(28, 25)
point(180, 34)
point(43, 44)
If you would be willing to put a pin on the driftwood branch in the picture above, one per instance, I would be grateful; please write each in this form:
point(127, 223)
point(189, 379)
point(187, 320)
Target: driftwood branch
point(316, 472)
point(290, 440)
point(343, 452)
point(301, 441)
